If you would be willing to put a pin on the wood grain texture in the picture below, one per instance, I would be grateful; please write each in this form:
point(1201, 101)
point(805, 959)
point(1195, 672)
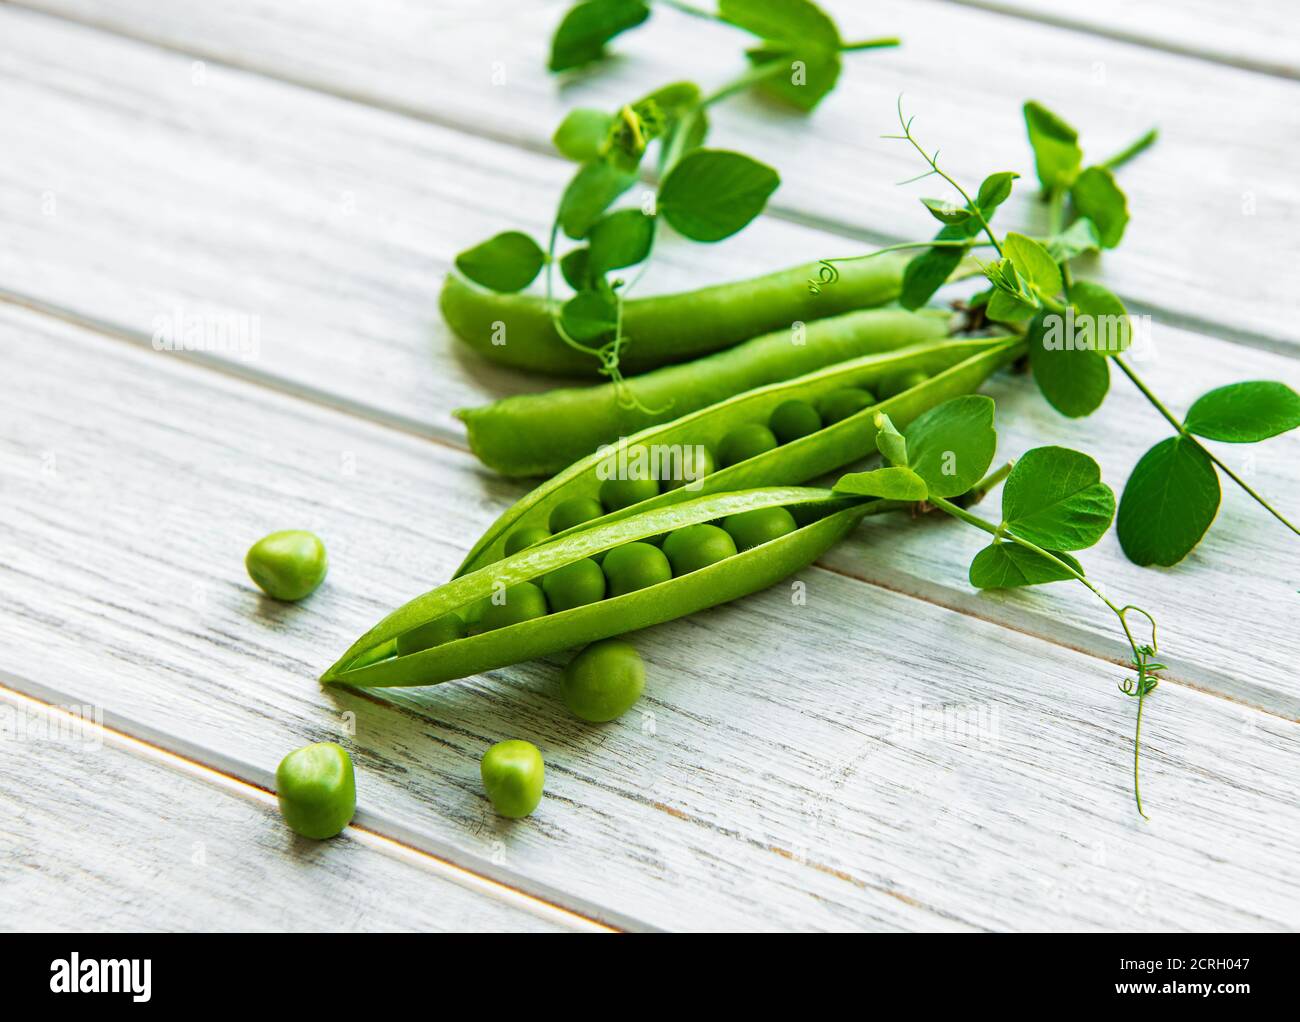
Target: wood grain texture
point(1261, 36)
point(1228, 135)
point(859, 773)
point(100, 835)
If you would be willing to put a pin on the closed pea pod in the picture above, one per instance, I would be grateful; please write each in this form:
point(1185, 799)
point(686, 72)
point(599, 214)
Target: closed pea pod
point(954, 368)
point(540, 434)
point(517, 330)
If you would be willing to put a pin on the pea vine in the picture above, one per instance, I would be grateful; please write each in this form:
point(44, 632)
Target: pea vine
point(1076, 328)
point(1053, 502)
point(704, 194)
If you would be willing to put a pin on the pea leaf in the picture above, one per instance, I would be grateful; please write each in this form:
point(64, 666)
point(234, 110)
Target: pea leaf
point(1073, 381)
point(925, 273)
point(889, 441)
point(797, 31)
point(586, 28)
point(951, 446)
point(1080, 237)
point(510, 261)
point(1057, 155)
point(575, 265)
point(995, 190)
point(675, 101)
point(1243, 413)
point(1099, 198)
point(891, 483)
point(1033, 262)
point(1054, 497)
point(1008, 308)
point(619, 239)
point(945, 212)
point(1169, 501)
point(1100, 321)
point(582, 134)
point(588, 195)
point(590, 314)
point(713, 193)
point(1003, 565)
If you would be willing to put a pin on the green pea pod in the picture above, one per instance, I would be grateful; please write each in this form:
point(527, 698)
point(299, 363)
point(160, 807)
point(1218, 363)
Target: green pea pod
point(955, 368)
point(743, 573)
point(516, 330)
point(539, 434)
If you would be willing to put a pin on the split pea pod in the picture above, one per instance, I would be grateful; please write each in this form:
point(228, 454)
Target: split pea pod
point(517, 330)
point(827, 518)
point(950, 369)
point(539, 434)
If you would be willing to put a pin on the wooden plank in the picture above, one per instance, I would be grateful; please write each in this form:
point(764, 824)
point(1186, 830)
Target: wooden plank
point(1262, 36)
point(103, 833)
point(866, 761)
point(1196, 237)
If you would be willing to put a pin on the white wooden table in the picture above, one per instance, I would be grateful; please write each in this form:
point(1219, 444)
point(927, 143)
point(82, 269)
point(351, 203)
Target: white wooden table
point(901, 754)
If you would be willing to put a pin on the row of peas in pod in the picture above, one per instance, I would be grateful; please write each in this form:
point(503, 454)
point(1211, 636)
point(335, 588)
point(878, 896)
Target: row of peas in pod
point(638, 565)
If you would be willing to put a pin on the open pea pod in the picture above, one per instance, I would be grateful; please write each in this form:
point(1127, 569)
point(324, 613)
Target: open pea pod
point(951, 369)
point(827, 517)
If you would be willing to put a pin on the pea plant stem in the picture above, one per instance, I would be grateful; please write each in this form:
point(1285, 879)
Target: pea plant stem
point(1124, 155)
point(1159, 406)
point(871, 44)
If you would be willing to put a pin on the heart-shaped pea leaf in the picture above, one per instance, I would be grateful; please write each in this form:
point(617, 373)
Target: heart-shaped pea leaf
point(1074, 382)
point(589, 315)
point(951, 446)
point(620, 239)
point(586, 28)
point(1054, 497)
point(995, 190)
point(1100, 199)
point(1004, 565)
point(575, 265)
point(1169, 501)
point(589, 193)
point(1057, 155)
point(712, 193)
point(891, 483)
point(510, 261)
point(1243, 413)
point(1033, 262)
point(582, 134)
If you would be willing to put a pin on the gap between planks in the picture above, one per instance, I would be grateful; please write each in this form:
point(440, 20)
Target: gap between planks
point(775, 211)
point(1207, 681)
point(376, 833)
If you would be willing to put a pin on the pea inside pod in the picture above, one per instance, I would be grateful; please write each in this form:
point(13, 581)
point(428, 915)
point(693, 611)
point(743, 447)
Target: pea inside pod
point(954, 368)
point(703, 579)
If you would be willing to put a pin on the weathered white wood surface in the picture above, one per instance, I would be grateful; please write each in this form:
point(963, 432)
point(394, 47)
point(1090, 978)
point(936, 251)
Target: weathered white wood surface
point(1229, 136)
point(881, 763)
point(1263, 35)
point(103, 832)
point(355, 215)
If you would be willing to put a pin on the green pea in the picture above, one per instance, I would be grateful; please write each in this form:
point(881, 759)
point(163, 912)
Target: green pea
point(574, 511)
point(754, 528)
point(840, 404)
point(287, 565)
point(513, 775)
point(794, 419)
point(635, 566)
point(695, 463)
point(616, 494)
point(317, 789)
point(523, 602)
point(603, 681)
point(430, 634)
point(745, 442)
point(522, 539)
point(696, 547)
point(574, 585)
